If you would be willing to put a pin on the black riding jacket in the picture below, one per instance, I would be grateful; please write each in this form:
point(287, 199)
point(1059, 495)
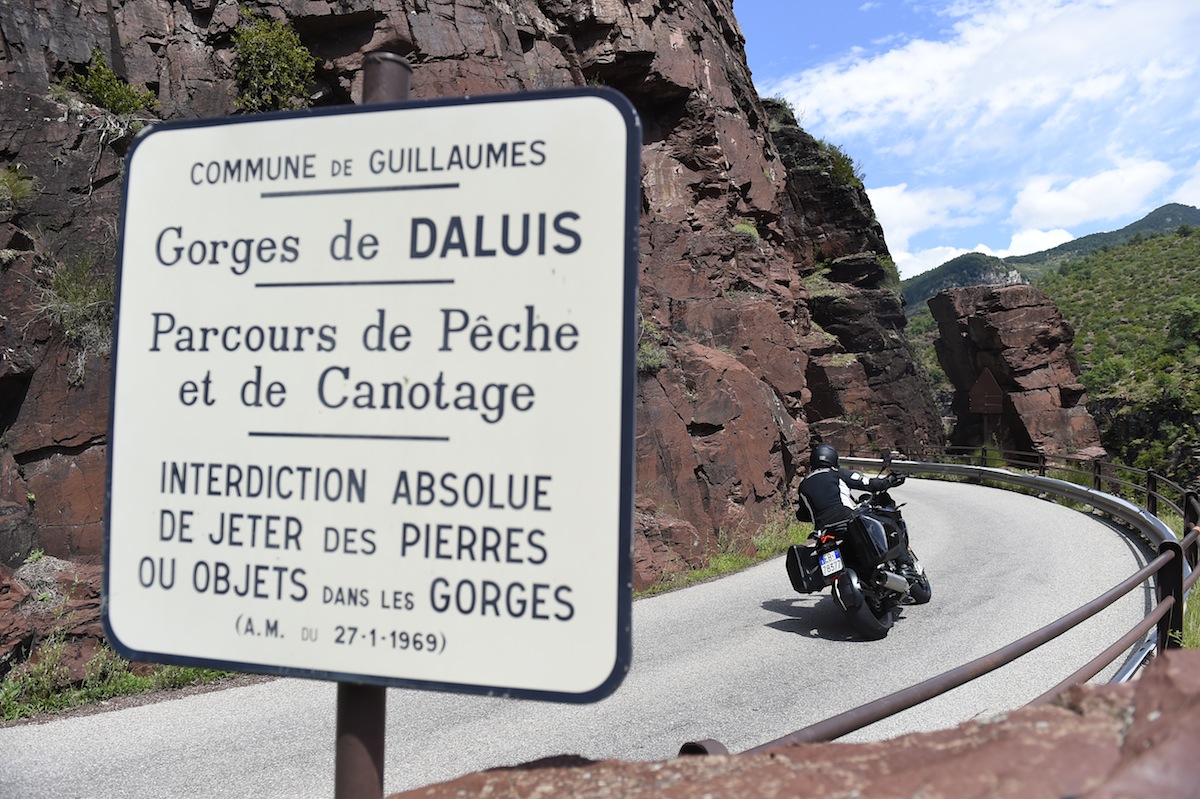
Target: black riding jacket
point(825, 495)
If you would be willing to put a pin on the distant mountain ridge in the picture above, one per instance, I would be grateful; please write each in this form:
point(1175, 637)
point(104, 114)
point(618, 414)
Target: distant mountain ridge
point(977, 269)
point(972, 269)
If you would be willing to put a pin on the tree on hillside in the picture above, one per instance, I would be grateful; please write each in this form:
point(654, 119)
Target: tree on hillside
point(1183, 325)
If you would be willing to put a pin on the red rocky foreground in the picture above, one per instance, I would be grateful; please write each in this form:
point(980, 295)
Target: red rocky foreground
point(1096, 742)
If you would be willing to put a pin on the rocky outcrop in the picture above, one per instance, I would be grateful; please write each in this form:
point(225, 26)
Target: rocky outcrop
point(765, 293)
point(53, 391)
point(56, 601)
point(1017, 335)
point(1107, 742)
point(863, 390)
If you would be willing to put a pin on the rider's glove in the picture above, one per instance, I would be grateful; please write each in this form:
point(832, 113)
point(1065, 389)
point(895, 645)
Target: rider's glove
point(897, 479)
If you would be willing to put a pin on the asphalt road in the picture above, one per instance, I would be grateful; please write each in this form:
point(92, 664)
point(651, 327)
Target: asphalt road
point(743, 660)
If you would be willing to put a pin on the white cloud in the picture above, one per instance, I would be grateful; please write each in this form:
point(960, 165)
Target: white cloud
point(905, 213)
point(1046, 202)
point(1006, 62)
point(1189, 192)
point(1026, 241)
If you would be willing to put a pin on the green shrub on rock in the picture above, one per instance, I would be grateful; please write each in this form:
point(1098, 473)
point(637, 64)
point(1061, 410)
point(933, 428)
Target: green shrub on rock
point(273, 68)
point(101, 87)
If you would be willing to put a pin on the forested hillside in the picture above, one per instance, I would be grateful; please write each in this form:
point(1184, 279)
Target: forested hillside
point(1166, 219)
point(1136, 313)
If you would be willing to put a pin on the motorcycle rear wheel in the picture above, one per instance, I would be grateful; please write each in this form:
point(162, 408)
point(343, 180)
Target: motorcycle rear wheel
point(872, 619)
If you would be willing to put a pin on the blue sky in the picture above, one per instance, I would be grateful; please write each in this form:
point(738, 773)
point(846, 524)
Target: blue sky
point(997, 126)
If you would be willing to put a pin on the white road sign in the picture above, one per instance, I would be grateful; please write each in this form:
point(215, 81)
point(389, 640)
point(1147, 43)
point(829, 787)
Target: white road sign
point(372, 409)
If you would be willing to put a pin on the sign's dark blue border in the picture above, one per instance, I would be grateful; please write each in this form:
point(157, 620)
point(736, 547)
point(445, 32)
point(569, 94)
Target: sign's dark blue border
point(624, 654)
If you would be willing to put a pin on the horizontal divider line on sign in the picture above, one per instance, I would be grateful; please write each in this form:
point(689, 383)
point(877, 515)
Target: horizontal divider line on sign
point(355, 436)
point(356, 190)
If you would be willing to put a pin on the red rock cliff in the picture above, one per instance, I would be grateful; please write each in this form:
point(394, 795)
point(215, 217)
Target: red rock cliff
point(768, 314)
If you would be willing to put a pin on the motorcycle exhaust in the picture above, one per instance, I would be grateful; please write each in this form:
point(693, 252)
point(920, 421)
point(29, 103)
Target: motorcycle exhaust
point(891, 581)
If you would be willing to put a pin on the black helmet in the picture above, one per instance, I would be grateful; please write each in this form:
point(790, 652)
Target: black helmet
point(824, 457)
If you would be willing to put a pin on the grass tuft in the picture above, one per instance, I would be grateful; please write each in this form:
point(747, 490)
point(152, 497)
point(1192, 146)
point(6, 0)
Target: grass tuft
point(41, 684)
point(15, 186)
point(771, 540)
point(79, 298)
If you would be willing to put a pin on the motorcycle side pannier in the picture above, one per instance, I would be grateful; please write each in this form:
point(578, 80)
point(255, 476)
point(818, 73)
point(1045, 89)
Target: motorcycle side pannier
point(804, 569)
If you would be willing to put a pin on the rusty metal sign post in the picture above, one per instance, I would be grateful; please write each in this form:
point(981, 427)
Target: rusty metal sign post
point(362, 709)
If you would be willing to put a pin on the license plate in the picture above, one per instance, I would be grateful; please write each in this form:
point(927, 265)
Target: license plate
point(831, 562)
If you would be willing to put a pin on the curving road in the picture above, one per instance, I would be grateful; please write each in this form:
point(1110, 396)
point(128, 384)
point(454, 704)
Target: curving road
point(743, 660)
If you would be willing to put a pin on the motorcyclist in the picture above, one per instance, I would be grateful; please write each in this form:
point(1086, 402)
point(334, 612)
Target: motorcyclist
point(825, 492)
point(826, 501)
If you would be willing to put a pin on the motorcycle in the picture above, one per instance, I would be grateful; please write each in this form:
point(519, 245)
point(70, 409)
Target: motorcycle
point(863, 561)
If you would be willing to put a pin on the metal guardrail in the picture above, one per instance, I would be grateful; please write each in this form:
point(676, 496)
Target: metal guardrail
point(1172, 568)
point(1147, 489)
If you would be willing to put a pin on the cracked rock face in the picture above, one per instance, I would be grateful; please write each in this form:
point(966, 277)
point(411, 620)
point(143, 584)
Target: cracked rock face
point(1018, 335)
point(51, 593)
point(766, 316)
